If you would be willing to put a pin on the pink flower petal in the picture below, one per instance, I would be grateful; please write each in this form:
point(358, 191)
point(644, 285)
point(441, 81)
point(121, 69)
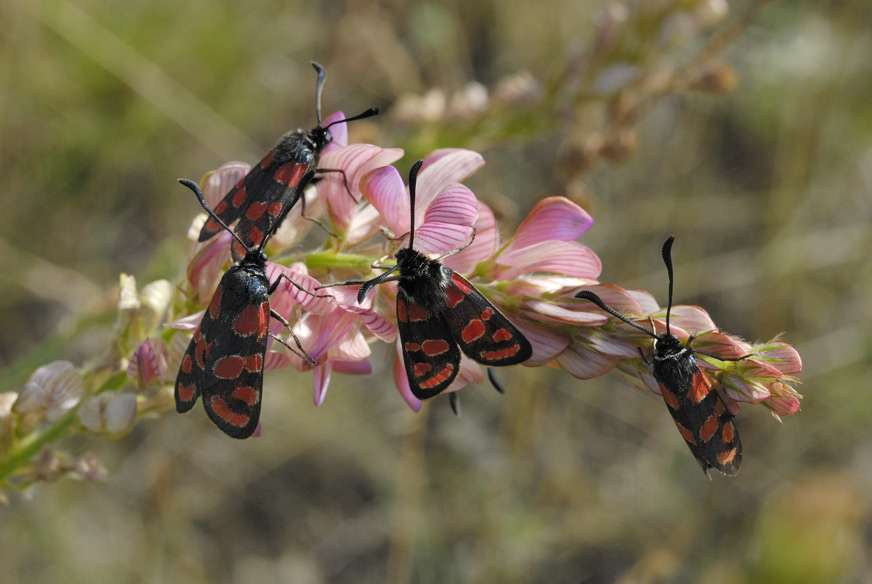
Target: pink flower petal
point(187, 323)
point(363, 367)
point(385, 191)
point(482, 248)
point(783, 405)
point(275, 360)
point(720, 344)
point(321, 381)
point(439, 238)
point(688, 317)
point(559, 257)
point(584, 363)
point(553, 218)
point(546, 343)
point(549, 312)
point(402, 382)
point(781, 355)
point(350, 348)
point(441, 168)
point(207, 264)
point(356, 160)
point(339, 132)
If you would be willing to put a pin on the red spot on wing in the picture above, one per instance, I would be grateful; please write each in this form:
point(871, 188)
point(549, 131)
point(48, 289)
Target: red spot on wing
point(502, 353)
point(238, 250)
point(709, 428)
point(473, 331)
point(213, 226)
point(202, 351)
point(719, 408)
point(402, 310)
point(727, 456)
point(686, 434)
point(228, 367)
point(411, 347)
point(487, 313)
point(669, 397)
point(239, 197)
point(187, 363)
point(454, 296)
point(223, 411)
point(256, 237)
point(252, 320)
point(246, 394)
point(256, 210)
point(438, 379)
point(700, 387)
point(417, 313)
point(421, 369)
point(502, 335)
point(186, 392)
point(291, 173)
point(215, 305)
point(275, 208)
point(254, 364)
point(268, 158)
point(464, 286)
point(222, 206)
point(729, 432)
point(432, 348)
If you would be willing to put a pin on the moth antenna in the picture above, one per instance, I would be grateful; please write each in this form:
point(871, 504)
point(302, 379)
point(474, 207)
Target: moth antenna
point(373, 111)
point(588, 295)
point(319, 85)
point(413, 181)
point(667, 259)
point(199, 193)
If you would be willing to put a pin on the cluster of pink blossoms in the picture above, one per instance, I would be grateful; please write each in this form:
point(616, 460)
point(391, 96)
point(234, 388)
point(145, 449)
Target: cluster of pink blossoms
point(532, 277)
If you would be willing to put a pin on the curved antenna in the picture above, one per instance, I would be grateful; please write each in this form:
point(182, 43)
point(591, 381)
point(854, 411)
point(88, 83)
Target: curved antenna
point(667, 259)
point(373, 111)
point(199, 193)
point(588, 295)
point(413, 181)
point(318, 86)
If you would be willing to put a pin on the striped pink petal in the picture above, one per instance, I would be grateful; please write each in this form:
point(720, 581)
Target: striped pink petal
point(583, 363)
point(559, 257)
point(553, 218)
point(547, 343)
point(385, 191)
point(483, 246)
point(356, 160)
point(443, 167)
point(339, 132)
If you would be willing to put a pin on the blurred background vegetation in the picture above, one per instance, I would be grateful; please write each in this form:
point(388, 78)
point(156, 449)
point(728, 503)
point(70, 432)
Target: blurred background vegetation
point(767, 188)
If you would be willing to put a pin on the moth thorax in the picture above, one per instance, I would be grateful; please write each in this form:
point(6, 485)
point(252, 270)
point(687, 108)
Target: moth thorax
point(667, 345)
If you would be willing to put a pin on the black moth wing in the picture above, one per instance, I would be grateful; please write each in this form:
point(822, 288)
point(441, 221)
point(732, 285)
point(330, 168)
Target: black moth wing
point(698, 411)
point(270, 189)
point(483, 333)
point(224, 361)
point(430, 354)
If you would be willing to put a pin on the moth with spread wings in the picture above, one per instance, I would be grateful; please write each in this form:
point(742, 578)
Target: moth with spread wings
point(262, 198)
point(440, 314)
point(697, 408)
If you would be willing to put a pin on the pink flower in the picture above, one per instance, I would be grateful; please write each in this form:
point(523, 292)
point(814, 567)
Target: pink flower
point(148, 362)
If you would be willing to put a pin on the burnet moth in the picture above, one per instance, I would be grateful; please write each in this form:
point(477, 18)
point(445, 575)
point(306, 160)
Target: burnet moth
point(439, 314)
point(696, 406)
point(262, 198)
point(224, 361)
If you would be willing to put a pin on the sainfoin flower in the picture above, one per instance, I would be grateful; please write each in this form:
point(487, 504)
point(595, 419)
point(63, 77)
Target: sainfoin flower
point(531, 277)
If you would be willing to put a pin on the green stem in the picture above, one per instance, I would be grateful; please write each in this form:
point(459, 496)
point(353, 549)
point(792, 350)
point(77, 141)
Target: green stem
point(329, 260)
point(31, 445)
